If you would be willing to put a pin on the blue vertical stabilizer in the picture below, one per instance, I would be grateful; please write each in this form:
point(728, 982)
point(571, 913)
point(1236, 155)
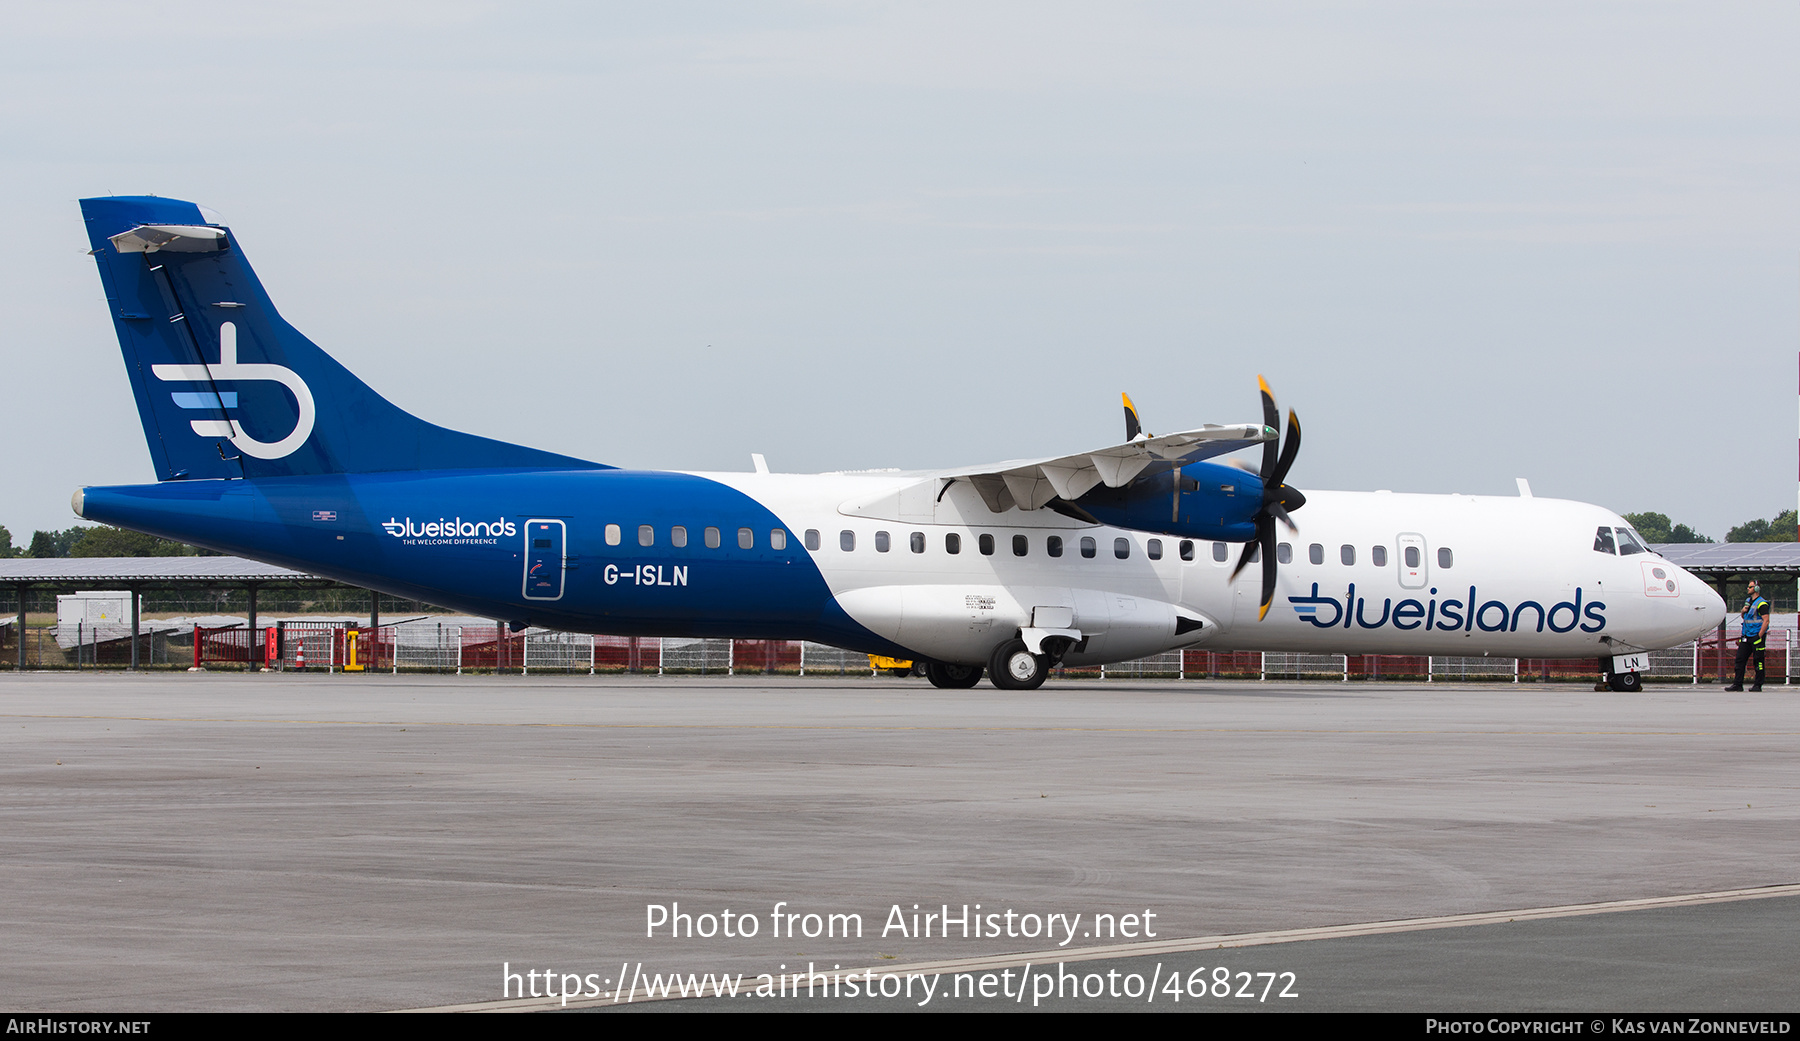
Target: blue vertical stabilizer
point(225, 388)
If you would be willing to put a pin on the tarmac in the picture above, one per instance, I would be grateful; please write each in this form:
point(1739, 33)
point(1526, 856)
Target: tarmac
point(174, 842)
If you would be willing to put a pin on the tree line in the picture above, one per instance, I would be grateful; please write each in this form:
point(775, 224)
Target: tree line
point(97, 540)
point(1658, 528)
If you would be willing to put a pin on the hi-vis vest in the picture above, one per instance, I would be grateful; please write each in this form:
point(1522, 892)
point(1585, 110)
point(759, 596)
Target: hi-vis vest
point(1753, 620)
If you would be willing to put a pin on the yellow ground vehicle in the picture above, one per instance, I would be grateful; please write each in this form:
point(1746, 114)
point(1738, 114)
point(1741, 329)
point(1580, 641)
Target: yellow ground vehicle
point(891, 666)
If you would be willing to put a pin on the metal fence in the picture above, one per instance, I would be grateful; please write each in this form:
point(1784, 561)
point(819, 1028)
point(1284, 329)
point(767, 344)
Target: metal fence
point(434, 646)
point(91, 646)
point(335, 646)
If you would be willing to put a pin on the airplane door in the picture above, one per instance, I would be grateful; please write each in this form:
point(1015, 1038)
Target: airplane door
point(546, 546)
point(1413, 570)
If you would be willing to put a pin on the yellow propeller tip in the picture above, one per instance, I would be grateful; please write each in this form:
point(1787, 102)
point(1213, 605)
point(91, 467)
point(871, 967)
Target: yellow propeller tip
point(1264, 384)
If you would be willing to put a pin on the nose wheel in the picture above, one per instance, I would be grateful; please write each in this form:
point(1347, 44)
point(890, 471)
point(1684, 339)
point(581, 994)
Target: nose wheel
point(1013, 667)
point(1622, 682)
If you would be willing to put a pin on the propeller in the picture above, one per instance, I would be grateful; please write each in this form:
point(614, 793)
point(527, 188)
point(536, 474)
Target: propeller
point(1278, 500)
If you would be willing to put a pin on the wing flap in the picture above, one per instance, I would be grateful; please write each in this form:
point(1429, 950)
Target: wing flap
point(1029, 484)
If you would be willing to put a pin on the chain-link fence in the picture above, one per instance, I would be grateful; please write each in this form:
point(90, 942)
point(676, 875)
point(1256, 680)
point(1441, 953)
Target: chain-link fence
point(433, 646)
point(695, 657)
point(1463, 668)
point(1297, 666)
point(426, 645)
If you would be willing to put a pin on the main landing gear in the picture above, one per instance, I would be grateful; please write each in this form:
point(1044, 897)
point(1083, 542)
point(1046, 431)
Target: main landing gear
point(1013, 667)
point(952, 677)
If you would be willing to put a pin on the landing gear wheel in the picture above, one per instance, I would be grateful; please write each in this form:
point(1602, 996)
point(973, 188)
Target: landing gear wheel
point(1626, 682)
point(1012, 667)
point(952, 677)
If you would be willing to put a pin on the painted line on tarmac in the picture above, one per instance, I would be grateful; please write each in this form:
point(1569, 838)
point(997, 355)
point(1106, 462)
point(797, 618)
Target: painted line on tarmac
point(1186, 945)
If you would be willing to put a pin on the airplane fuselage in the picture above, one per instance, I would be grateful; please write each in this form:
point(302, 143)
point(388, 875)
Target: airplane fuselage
point(912, 566)
point(265, 446)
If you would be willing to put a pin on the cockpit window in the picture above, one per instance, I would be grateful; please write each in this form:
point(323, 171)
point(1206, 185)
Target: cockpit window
point(1628, 542)
point(1603, 542)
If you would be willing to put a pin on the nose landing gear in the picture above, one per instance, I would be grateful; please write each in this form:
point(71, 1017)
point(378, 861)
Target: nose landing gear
point(1621, 682)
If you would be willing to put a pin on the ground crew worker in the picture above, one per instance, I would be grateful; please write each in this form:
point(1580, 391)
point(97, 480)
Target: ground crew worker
point(1753, 637)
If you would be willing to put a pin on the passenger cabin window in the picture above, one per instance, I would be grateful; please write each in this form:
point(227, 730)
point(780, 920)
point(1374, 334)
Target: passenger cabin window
point(1445, 557)
point(1122, 548)
point(1603, 542)
point(1187, 549)
point(881, 542)
point(777, 538)
point(1628, 543)
point(1153, 549)
point(612, 534)
point(918, 542)
point(712, 538)
point(1284, 553)
point(678, 536)
point(1315, 553)
point(985, 543)
point(1378, 556)
point(847, 541)
point(812, 538)
point(1021, 545)
point(1221, 552)
point(746, 538)
point(646, 535)
point(952, 543)
point(1053, 545)
point(1088, 546)
point(1347, 554)
point(1412, 556)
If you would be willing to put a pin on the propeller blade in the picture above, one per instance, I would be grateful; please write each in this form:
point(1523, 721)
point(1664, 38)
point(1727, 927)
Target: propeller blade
point(1272, 420)
point(1277, 498)
point(1244, 559)
point(1132, 427)
point(1288, 450)
point(1268, 567)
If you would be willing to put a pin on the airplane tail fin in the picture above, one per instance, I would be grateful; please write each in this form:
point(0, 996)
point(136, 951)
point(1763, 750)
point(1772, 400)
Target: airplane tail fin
point(225, 388)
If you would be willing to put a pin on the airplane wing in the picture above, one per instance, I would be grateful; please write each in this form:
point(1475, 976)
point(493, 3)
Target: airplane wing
point(1030, 483)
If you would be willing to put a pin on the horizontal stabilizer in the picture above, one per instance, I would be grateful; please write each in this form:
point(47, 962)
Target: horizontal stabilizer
point(177, 238)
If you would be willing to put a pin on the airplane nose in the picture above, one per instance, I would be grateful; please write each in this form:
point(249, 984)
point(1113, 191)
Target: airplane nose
point(1702, 604)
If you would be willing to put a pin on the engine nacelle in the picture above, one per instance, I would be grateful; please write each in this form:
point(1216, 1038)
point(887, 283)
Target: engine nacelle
point(1199, 501)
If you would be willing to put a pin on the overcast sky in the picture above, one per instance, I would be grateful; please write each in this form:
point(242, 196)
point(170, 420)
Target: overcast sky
point(1466, 242)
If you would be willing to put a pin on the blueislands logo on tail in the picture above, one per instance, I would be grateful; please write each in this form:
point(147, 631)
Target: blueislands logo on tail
point(229, 368)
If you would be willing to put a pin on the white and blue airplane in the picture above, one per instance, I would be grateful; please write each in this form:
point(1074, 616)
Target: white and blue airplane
point(267, 448)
